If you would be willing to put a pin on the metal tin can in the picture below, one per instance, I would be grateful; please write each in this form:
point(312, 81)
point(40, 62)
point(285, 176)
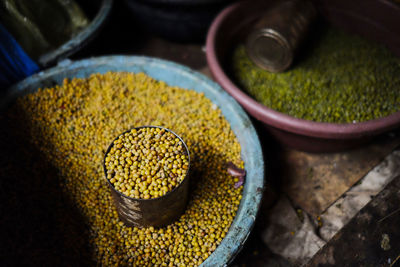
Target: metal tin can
point(155, 212)
point(276, 35)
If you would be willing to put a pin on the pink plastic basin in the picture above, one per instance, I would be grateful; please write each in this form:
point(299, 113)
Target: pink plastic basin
point(231, 25)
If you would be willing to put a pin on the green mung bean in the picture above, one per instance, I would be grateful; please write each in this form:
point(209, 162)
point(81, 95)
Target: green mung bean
point(341, 78)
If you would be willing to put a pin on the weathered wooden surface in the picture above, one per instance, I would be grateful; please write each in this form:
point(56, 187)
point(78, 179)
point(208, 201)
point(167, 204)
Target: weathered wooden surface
point(315, 181)
point(372, 238)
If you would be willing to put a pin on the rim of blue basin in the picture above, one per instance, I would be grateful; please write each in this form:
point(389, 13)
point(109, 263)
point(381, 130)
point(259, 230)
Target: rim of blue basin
point(177, 75)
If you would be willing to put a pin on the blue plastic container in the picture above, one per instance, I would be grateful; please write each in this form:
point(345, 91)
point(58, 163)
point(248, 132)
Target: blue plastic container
point(15, 64)
point(177, 75)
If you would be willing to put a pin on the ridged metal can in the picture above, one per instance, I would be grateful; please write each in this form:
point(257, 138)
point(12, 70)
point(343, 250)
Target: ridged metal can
point(277, 34)
point(155, 212)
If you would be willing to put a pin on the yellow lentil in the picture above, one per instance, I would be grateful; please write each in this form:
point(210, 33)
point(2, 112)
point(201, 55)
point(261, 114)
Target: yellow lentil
point(72, 125)
point(146, 147)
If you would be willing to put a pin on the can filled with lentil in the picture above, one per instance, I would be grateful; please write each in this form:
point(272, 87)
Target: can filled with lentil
point(144, 210)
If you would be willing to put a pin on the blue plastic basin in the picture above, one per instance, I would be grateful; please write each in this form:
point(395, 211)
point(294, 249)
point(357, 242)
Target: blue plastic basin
point(177, 75)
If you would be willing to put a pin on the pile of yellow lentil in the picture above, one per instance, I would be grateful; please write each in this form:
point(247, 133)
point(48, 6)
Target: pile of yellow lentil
point(72, 124)
point(146, 163)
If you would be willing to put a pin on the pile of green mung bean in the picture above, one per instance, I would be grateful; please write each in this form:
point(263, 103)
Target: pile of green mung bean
point(338, 78)
point(146, 163)
point(71, 125)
